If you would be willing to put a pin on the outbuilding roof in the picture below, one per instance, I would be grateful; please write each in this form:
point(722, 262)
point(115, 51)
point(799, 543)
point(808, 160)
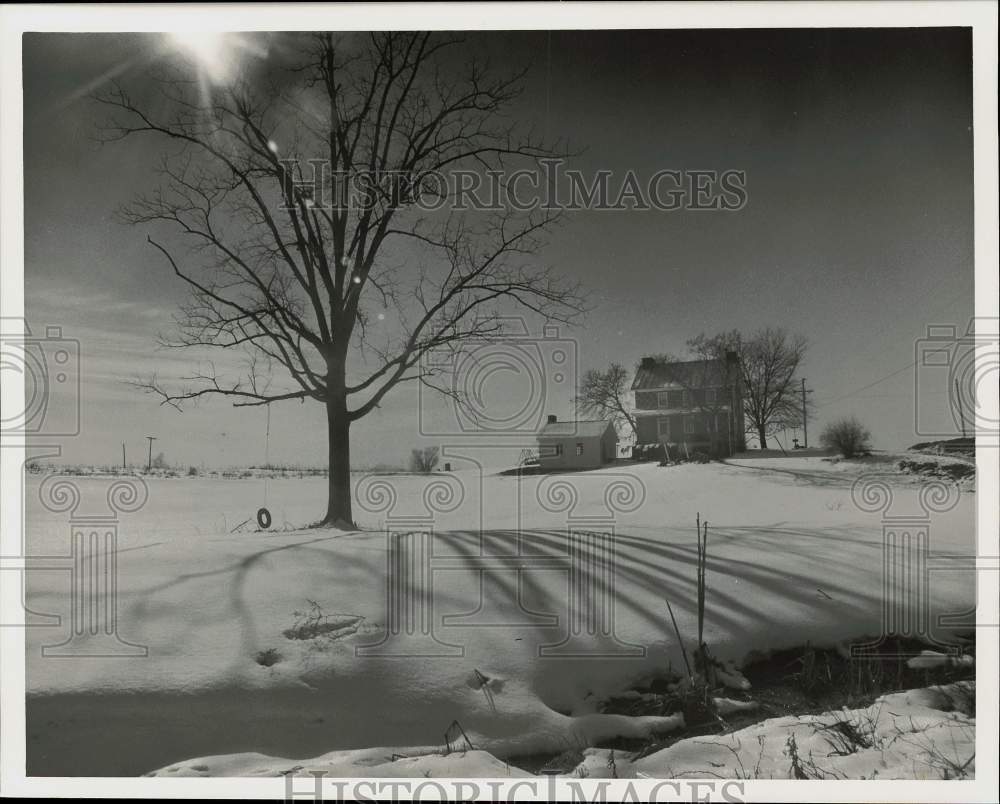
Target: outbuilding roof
point(583, 429)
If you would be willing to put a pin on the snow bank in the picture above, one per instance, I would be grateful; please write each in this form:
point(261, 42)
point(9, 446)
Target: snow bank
point(919, 734)
point(900, 736)
point(366, 763)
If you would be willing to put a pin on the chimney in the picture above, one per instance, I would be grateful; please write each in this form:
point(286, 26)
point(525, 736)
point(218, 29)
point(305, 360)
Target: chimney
point(552, 418)
point(648, 362)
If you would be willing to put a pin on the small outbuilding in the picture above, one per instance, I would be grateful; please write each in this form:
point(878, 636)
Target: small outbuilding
point(576, 444)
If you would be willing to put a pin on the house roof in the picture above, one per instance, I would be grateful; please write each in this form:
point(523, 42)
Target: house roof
point(678, 374)
point(584, 429)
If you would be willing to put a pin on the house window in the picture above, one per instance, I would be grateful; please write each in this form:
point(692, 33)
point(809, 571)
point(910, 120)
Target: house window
point(662, 400)
point(689, 424)
point(710, 396)
point(686, 397)
point(579, 448)
point(663, 427)
point(675, 399)
point(645, 400)
point(559, 450)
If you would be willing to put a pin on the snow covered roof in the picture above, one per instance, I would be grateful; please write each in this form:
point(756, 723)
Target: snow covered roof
point(679, 374)
point(583, 429)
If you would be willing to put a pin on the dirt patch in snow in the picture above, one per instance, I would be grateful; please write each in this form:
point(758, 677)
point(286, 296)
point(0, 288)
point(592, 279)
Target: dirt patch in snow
point(950, 470)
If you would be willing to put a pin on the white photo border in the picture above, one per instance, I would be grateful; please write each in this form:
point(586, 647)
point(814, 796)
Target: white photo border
point(981, 17)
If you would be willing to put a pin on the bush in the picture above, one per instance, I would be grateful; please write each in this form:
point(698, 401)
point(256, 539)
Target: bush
point(424, 460)
point(848, 436)
point(267, 658)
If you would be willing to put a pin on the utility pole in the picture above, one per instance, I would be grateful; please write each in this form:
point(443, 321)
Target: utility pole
point(805, 415)
point(149, 464)
point(961, 409)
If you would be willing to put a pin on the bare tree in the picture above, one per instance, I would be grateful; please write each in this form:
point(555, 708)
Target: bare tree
point(424, 460)
point(344, 299)
point(769, 363)
point(605, 394)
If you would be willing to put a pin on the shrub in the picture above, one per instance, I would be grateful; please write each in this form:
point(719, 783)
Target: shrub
point(424, 460)
point(848, 436)
point(192, 471)
point(267, 658)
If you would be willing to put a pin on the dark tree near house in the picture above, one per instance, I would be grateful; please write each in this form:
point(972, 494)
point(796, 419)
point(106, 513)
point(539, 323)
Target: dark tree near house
point(769, 362)
point(605, 395)
point(336, 303)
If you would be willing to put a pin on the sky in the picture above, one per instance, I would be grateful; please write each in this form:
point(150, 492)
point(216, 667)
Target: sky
point(857, 232)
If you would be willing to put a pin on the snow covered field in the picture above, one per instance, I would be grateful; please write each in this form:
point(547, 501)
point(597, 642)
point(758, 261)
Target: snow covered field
point(791, 559)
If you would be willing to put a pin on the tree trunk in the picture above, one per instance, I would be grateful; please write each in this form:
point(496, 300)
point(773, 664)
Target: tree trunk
point(338, 509)
point(761, 435)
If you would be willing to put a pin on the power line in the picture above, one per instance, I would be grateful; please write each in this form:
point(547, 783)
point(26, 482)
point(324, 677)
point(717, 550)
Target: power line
point(899, 394)
point(907, 367)
point(889, 376)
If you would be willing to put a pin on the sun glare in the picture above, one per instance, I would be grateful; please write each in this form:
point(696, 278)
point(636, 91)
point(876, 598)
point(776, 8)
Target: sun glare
point(211, 52)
